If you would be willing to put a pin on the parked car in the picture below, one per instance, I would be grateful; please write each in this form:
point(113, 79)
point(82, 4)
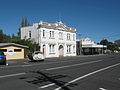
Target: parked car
point(2, 58)
point(36, 56)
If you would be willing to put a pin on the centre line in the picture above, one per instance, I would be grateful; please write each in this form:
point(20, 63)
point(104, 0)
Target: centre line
point(89, 74)
point(49, 85)
point(11, 75)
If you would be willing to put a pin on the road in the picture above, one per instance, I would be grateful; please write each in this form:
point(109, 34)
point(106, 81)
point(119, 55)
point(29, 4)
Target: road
point(70, 73)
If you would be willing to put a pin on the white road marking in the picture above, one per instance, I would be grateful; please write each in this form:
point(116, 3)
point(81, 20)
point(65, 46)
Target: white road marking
point(11, 75)
point(102, 89)
point(49, 85)
point(89, 74)
point(73, 65)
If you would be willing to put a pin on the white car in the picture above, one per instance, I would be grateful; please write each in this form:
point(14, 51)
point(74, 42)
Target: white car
point(37, 56)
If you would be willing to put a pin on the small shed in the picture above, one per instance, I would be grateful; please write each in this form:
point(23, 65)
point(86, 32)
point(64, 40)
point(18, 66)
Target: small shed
point(13, 51)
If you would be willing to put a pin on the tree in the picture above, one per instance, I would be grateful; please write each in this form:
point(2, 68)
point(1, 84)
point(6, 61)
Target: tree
point(3, 37)
point(32, 45)
point(24, 22)
point(104, 42)
point(110, 45)
point(117, 42)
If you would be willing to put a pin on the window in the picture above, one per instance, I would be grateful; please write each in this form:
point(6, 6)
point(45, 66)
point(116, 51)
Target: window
point(3, 50)
point(68, 36)
point(29, 34)
point(60, 35)
point(43, 33)
point(73, 37)
point(73, 49)
point(51, 34)
point(17, 50)
point(52, 48)
point(68, 48)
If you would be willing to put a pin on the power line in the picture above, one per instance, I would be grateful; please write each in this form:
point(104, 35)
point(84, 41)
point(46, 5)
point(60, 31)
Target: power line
point(112, 35)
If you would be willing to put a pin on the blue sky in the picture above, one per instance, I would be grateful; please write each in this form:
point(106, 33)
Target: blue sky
point(96, 19)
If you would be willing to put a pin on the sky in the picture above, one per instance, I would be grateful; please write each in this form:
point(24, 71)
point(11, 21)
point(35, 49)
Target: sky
point(96, 19)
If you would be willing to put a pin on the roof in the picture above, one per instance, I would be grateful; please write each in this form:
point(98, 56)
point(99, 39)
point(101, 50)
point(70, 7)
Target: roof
point(14, 44)
point(56, 25)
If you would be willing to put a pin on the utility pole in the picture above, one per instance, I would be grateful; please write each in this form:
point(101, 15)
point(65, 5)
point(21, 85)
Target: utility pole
point(103, 45)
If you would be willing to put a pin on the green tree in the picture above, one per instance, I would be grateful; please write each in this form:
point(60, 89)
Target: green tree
point(110, 45)
point(32, 45)
point(3, 37)
point(117, 42)
point(104, 42)
point(24, 22)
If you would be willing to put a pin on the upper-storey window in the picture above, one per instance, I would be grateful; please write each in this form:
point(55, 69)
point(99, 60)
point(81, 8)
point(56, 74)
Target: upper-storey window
point(68, 36)
point(43, 33)
point(29, 34)
point(60, 35)
point(51, 34)
point(73, 37)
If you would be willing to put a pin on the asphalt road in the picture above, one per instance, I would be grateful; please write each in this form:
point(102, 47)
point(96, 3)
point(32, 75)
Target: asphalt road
point(70, 73)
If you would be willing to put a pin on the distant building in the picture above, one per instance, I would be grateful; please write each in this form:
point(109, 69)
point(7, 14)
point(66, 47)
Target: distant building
point(87, 47)
point(55, 40)
point(13, 51)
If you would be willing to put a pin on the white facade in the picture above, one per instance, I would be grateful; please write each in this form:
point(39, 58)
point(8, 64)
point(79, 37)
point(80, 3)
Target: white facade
point(54, 39)
point(87, 42)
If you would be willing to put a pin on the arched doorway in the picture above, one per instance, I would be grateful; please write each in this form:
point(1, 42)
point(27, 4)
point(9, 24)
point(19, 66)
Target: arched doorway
point(61, 51)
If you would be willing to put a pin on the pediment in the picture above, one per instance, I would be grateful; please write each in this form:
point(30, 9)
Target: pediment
point(61, 28)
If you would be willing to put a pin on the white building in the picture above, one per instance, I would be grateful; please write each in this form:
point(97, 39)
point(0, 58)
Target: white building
point(89, 47)
point(54, 39)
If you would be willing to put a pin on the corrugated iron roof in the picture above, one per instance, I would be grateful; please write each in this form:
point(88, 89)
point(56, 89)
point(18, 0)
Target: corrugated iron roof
point(8, 44)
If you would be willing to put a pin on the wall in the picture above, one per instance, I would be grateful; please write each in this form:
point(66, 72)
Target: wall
point(13, 55)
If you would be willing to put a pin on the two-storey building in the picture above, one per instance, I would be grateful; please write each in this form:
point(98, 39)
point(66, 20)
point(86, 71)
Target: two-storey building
point(55, 39)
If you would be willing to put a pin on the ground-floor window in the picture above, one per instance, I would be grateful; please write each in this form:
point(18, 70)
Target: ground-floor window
point(17, 50)
point(3, 50)
point(51, 48)
point(73, 49)
point(68, 48)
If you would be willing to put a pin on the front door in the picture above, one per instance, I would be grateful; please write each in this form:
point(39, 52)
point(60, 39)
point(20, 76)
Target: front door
point(44, 51)
point(61, 51)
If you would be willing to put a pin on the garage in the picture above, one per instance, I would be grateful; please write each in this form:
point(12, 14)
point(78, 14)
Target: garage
point(13, 51)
